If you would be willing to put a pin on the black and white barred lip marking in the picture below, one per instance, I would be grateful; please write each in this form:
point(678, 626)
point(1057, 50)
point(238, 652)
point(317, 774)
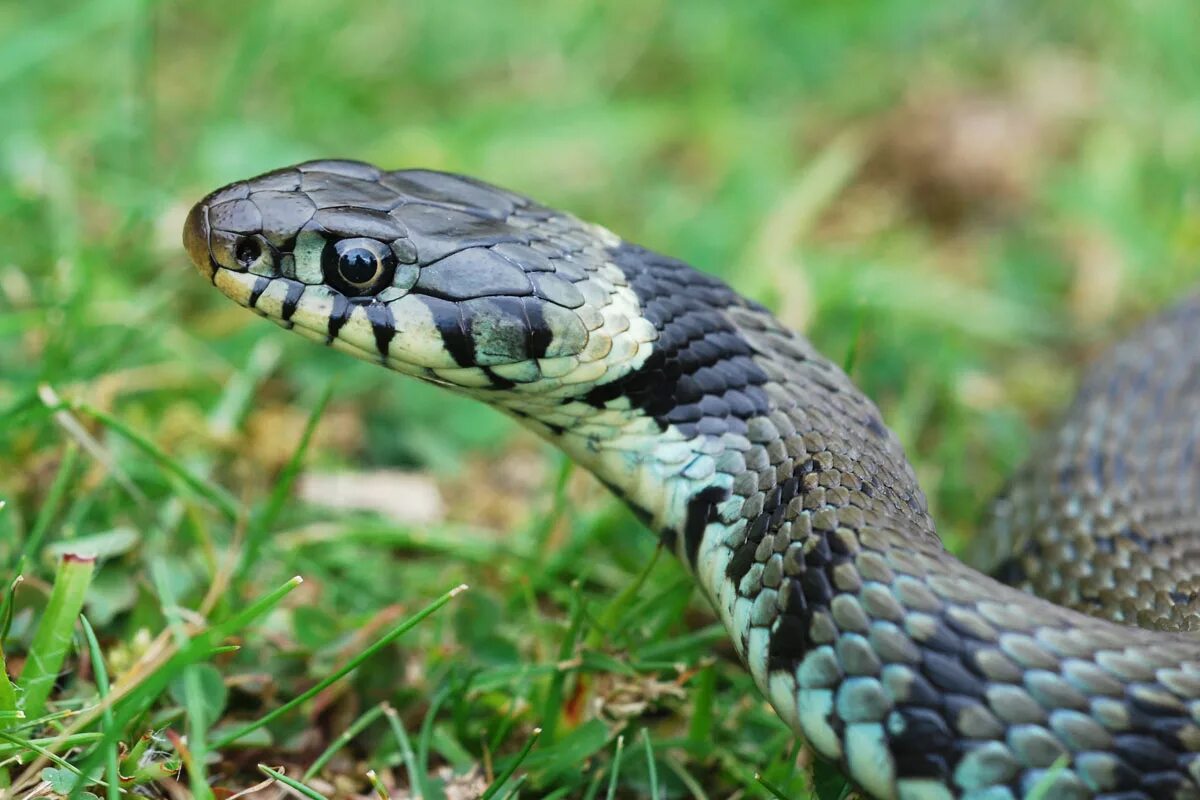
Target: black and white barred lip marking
point(295, 289)
point(260, 285)
point(383, 324)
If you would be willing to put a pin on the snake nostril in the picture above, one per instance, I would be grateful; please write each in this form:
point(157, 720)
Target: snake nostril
point(247, 251)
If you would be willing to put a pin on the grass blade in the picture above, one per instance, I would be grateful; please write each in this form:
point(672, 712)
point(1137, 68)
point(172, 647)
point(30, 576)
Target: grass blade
point(651, 767)
point(344, 738)
point(50, 506)
point(292, 783)
point(262, 521)
point(700, 729)
point(8, 693)
point(346, 669)
point(770, 787)
point(112, 767)
point(503, 777)
point(616, 769)
point(552, 707)
point(53, 637)
point(380, 790)
point(416, 777)
point(1041, 790)
point(10, 748)
point(197, 719)
point(222, 500)
point(610, 617)
point(131, 699)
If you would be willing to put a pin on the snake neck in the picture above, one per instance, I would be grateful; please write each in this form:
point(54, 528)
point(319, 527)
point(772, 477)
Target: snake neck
point(671, 480)
point(674, 483)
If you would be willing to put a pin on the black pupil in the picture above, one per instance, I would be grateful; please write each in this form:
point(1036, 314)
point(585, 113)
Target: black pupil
point(357, 265)
point(248, 250)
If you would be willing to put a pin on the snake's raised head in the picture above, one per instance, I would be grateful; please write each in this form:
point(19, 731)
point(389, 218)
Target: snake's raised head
point(432, 274)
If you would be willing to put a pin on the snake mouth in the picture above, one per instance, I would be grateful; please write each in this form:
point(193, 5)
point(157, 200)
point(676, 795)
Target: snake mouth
point(241, 287)
point(308, 310)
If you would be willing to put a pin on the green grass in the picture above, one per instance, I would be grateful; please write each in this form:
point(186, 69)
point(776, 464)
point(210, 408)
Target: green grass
point(962, 205)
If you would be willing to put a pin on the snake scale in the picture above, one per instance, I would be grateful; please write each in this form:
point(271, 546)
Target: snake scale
point(777, 484)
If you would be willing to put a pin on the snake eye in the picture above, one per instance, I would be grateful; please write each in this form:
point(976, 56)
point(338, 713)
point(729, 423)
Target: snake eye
point(247, 251)
point(358, 267)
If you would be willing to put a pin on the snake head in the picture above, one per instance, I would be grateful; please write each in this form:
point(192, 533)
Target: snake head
point(436, 275)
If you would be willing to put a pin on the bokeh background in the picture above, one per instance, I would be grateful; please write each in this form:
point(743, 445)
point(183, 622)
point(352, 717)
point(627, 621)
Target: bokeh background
point(959, 202)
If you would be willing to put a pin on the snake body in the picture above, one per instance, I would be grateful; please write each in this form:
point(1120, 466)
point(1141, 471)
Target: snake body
point(777, 484)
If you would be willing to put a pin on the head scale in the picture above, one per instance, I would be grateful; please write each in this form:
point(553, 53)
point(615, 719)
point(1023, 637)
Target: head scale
point(436, 275)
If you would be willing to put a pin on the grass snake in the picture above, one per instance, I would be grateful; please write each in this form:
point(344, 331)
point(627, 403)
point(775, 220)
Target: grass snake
point(777, 484)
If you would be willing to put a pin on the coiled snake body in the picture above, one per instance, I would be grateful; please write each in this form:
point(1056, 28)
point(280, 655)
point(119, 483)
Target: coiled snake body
point(777, 484)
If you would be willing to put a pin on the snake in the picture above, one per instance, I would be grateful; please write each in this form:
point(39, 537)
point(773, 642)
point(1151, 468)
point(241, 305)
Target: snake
point(1067, 672)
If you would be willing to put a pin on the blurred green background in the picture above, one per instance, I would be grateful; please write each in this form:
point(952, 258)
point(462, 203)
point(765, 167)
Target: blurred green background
point(961, 202)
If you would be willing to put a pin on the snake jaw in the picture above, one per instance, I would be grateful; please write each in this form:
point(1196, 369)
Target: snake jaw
point(240, 287)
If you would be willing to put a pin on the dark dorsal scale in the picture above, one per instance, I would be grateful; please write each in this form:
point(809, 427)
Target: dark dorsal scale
point(700, 376)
